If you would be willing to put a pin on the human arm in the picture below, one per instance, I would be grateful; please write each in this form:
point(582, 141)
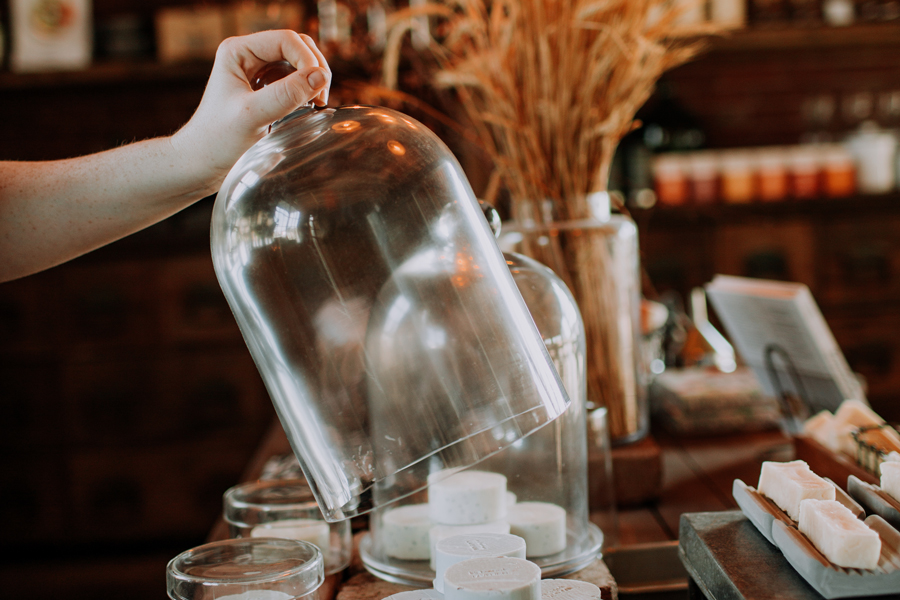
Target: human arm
point(53, 211)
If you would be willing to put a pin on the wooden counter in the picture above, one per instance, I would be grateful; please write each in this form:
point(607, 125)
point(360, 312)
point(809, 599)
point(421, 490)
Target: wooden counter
point(697, 475)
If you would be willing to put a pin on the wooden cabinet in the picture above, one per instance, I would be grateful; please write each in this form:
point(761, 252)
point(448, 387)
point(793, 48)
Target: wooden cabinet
point(846, 250)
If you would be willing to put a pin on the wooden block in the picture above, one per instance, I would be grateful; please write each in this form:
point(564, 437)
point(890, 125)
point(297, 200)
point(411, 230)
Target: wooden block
point(637, 474)
point(365, 586)
point(597, 573)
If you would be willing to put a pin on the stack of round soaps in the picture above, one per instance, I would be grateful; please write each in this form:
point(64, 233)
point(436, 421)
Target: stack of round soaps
point(491, 566)
point(471, 502)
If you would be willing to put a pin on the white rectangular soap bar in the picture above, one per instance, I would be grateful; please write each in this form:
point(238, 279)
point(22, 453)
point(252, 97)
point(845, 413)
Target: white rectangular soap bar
point(890, 479)
point(841, 538)
point(789, 483)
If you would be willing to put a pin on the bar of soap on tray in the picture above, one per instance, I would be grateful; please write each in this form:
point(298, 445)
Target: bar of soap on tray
point(405, 531)
point(841, 538)
point(306, 530)
point(467, 498)
point(789, 483)
point(568, 589)
point(493, 579)
point(890, 479)
point(457, 548)
point(440, 532)
point(542, 525)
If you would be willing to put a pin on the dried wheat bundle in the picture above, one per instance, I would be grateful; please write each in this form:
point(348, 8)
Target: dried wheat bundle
point(551, 87)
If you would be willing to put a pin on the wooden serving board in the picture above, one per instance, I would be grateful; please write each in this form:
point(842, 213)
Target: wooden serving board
point(727, 557)
point(365, 586)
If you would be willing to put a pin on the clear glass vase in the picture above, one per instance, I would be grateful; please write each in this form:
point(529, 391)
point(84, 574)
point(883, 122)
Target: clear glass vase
point(599, 259)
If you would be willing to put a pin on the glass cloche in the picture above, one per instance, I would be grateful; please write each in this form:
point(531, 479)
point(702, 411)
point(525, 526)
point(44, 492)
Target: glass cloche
point(378, 309)
point(536, 488)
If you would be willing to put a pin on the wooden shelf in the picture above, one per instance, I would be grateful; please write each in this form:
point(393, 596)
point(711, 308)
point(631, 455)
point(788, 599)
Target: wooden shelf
point(108, 73)
point(795, 38)
point(722, 213)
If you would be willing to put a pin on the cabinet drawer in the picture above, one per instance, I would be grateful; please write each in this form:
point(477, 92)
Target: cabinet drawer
point(215, 391)
point(30, 404)
point(34, 504)
point(193, 307)
point(154, 492)
point(861, 260)
point(782, 250)
point(871, 345)
point(114, 399)
point(29, 313)
point(676, 259)
point(113, 304)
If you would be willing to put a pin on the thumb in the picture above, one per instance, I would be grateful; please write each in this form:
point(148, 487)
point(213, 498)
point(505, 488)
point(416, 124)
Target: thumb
point(281, 97)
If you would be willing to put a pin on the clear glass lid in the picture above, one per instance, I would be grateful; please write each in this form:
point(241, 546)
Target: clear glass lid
point(271, 569)
point(376, 304)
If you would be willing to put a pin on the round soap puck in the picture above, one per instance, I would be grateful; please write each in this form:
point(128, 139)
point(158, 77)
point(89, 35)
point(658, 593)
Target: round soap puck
point(542, 525)
point(500, 578)
point(457, 548)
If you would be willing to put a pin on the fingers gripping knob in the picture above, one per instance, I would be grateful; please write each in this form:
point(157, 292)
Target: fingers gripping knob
point(271, 73)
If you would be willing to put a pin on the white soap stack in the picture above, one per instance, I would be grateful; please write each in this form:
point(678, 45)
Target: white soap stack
point(493, 579)
point(488, 566)
point(470, 503)
point(465, 503)
point(459, 548)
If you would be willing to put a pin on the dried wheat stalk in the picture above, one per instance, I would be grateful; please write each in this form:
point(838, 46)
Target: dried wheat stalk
point(551, 86)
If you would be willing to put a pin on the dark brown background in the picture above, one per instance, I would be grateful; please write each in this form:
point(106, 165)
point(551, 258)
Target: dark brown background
point(129, 402)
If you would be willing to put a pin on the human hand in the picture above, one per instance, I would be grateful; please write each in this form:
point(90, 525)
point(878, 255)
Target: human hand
point(231, 117)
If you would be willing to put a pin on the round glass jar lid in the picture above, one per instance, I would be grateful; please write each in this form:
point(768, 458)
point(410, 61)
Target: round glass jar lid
point(240, 569)
point(261, 502)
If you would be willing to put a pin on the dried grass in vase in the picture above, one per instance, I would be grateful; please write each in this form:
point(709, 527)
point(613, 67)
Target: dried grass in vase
point(552, 86)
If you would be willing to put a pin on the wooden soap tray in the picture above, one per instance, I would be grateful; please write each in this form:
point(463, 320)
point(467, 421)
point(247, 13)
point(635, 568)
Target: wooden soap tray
point(828, 579)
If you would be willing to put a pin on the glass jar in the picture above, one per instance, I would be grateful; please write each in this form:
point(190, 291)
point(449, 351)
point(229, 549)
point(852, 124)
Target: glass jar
point(287, 509)
point(805, 172)
point(839, 171)
point(738, 178)
point(337, 227)
point(670, 179)
point(772, 170)
point(539, 479)
point(247, 569)
point(704, 177)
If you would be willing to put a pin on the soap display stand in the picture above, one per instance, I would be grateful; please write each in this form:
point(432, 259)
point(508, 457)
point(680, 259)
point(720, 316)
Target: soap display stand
point(366, 586)
point(828, 579)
